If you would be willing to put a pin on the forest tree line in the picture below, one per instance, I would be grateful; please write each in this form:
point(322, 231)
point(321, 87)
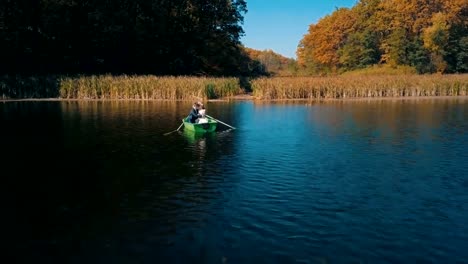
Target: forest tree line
point(202, 38)
point(428, 35)
point(162, 37)
point(272, 63)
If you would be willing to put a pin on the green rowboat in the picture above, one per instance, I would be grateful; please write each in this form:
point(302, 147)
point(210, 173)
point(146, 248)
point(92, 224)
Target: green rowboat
point(200, 128)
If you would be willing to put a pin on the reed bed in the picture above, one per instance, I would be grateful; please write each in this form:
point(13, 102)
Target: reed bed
point(147, 87)
point(341, 87)
point(189, 88)
point(117, 87)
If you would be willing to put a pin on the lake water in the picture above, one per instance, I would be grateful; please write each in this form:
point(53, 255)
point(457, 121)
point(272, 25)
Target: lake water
point(334, 182)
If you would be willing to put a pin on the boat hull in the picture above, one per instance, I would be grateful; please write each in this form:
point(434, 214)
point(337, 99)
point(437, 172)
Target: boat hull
point(200, 128)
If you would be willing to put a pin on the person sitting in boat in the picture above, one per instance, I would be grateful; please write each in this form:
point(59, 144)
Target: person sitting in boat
point(202, 111)
point(194, 114)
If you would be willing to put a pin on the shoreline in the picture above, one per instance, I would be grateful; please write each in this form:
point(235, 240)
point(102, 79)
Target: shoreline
point(244, 97)
point(153, 88)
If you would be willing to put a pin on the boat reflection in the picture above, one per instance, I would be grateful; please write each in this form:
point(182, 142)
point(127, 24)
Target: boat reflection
point(193, 137)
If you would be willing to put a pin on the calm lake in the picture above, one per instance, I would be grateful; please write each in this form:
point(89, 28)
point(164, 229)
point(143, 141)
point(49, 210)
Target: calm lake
point(334, 182)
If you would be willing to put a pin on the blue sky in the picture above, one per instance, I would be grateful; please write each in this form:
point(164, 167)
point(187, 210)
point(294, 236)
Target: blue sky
point(280, 24)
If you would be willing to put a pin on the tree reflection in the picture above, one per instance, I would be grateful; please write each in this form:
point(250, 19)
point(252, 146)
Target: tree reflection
point(395, 120)
point(106, 165)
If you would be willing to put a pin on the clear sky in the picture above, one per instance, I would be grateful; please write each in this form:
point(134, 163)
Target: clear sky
point(280, 24)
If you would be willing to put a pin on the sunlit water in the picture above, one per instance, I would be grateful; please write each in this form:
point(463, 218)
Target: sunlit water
point(338, 182)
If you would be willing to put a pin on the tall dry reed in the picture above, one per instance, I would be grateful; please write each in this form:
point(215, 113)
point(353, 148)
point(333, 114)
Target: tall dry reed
point(359, 86)
point(147, 87)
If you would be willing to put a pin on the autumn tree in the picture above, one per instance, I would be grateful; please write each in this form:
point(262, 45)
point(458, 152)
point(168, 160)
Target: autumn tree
point(429, 35)
point(324, 39)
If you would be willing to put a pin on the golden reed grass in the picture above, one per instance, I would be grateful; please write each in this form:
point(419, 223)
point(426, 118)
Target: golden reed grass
point(341, 87)
point(189, 88)
point(147, 87)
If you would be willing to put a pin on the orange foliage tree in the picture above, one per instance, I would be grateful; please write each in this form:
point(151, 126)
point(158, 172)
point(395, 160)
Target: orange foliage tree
point(429, 35)
point(324, 39)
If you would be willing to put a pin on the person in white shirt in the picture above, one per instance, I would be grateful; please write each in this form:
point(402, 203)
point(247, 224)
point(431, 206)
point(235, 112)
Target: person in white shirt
point(202, 112)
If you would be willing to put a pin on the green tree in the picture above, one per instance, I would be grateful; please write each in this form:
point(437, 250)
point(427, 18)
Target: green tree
point(435, 40)
point(462, 55)
point(122, 36)
point(419, 57)
point(361, 50)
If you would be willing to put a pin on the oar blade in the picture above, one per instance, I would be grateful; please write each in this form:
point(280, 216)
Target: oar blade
point(168, 133)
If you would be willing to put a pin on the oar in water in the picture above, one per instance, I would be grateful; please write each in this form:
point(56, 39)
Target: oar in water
point(220, 121)
point(174, 130)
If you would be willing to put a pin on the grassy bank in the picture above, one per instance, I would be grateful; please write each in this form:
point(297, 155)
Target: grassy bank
point(118, 87)
point(341, 87)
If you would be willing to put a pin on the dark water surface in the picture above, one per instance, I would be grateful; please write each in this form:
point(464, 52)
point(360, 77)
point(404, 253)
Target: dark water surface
point(339, 182)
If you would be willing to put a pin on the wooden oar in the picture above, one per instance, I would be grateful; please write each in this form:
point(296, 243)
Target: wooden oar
point(174, 130)
point(220, 121)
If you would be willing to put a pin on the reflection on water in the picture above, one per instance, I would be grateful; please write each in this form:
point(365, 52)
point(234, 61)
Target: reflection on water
point(341, 181)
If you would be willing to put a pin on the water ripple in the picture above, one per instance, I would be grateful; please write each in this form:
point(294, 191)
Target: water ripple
point(324, 183)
